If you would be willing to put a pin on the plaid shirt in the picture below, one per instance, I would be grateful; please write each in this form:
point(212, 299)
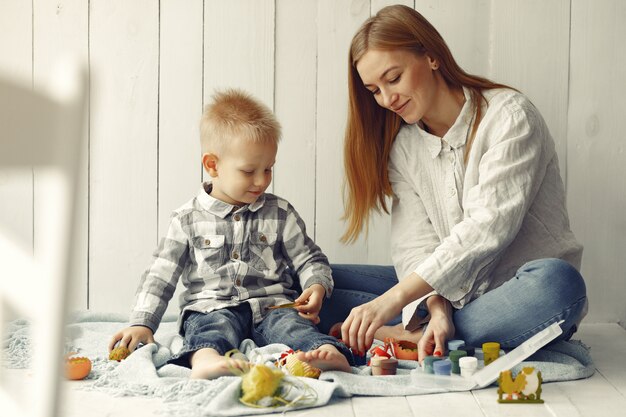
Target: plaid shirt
point(227, 256)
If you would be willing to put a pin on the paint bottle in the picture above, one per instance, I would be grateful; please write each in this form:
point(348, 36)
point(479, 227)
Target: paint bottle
point(454, 357)
point(383, 366)
point(428, 363)
point(468, 349)
point(455, 344)
point(491, 351)
point(468, 365)
point(442, 367)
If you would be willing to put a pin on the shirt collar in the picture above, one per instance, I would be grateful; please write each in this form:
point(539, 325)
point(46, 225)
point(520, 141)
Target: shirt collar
point(220, 208)
point(458, 132)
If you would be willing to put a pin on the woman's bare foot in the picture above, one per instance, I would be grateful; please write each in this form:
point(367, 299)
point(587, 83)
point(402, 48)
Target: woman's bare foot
point(326, 358)
point(397, 332)
point(208, 364)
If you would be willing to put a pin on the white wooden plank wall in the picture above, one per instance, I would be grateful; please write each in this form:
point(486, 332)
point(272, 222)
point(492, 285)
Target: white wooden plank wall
point(180, 107)
point(341, 18)
point(155, 64)
point(295, 101)
point(596, 150)
point(16, 51)
point(124, 59)
point(60, 29)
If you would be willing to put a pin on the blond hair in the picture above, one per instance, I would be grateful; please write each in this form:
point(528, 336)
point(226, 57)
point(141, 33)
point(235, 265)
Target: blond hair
point(371, 129)
point(235, 113)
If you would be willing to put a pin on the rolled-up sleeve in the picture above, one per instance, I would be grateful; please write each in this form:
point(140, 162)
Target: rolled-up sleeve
point(510, 163)
point(413, 238)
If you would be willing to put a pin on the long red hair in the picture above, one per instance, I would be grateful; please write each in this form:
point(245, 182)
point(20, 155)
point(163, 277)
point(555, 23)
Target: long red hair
point(371, 129)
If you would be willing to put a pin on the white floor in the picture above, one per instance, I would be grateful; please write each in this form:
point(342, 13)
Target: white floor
point(602, 395)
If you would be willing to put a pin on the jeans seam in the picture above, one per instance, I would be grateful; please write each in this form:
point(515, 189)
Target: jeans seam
point(554, 319)
point(356, 294)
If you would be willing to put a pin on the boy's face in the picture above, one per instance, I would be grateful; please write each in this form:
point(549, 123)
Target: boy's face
point(242, 171)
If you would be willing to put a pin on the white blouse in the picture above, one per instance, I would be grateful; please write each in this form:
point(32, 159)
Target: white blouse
point(466, 228)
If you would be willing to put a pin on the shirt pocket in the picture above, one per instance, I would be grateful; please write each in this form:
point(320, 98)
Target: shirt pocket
point(262, 249)
point(209, 252)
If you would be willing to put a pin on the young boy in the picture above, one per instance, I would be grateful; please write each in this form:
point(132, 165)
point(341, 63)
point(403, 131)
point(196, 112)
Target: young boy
point(237, 250)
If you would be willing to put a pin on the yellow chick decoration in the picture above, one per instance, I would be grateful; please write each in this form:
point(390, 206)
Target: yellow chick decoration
point(508, 386)
point(258, 383)
point(268, 386)
point(526, 387)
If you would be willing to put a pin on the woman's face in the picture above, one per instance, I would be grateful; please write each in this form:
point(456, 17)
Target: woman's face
point(400, 81)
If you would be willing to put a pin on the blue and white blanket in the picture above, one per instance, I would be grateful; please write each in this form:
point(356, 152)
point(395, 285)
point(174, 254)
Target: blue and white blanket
point(145, 372)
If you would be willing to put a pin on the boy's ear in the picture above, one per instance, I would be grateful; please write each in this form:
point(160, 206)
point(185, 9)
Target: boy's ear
point(209, 162)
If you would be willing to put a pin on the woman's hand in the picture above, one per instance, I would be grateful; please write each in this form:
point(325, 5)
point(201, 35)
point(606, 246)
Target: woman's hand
point(361, 325)
point(311, 299)
point(131, 336)
point(358, 330)
point(440, 328)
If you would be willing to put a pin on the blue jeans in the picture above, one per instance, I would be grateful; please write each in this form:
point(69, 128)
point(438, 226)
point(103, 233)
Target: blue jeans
point(542, 292)
point(226, 328)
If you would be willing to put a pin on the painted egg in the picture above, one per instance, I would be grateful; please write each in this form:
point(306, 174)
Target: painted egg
point(405, 350)
point(119, 353)
point(77, 368)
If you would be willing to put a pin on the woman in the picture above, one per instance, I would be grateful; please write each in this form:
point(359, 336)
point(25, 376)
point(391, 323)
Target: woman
point(480, 235)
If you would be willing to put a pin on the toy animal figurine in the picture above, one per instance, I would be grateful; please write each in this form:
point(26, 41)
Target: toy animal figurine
point(508, 386)
point(533, 383)
point(525, 388)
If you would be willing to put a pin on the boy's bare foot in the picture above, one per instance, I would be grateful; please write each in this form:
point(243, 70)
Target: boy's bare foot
point(397, 332)
point(208, 364)
point(219, 367)
point(326, 358)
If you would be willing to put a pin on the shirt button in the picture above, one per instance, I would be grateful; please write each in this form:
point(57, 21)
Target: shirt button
point(237, 217)
point(235, 255)
point(262, 238)
point(238, 282)
point(452, 192)
point(207, 242)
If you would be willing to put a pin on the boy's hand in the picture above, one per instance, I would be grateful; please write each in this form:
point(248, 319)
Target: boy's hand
point(130, 337)
point(312, 299)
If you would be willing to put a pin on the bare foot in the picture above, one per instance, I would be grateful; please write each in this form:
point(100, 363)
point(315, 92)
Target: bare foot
point(218, 366)
point(326, 358)
point(397, 332)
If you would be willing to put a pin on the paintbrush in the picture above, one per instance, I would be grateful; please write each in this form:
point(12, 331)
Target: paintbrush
point(288, 305)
